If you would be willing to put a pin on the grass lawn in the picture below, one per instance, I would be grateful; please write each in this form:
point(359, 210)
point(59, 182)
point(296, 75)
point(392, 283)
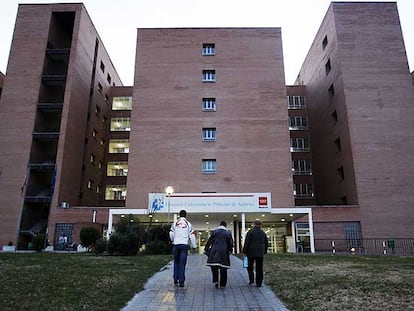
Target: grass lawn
point(323, 282)
point(55, 281)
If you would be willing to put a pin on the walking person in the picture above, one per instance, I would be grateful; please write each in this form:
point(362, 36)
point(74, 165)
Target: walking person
point(218, 249)
point(255, 246)
point(181, 233)
point(61, 242)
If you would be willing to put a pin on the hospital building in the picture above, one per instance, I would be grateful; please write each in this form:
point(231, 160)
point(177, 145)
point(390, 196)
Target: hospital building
point(210, 126)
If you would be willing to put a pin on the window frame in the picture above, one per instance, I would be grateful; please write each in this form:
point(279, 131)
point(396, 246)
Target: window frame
point(296, 102)
point(209, 75)
point(112, 148)
point(122, 120)
point(324, 42)
point(121, 103)
point(303, 191)
point(301, 167)
point(208, 104)
point(209, 166)
point(112, 191)
point(209, 134)
point(298, 123)
point(331, 92)
point(299, 144)
point(208, 49)
point(117, 169)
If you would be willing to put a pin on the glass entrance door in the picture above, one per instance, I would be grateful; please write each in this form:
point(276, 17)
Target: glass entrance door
point(202, 238)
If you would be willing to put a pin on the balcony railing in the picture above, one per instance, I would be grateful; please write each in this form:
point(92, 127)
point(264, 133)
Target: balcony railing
point(298, 149)
point(303, 173)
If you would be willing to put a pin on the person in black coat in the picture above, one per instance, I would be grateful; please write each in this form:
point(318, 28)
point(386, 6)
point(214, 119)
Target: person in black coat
point(218, 249)
point(255, 246)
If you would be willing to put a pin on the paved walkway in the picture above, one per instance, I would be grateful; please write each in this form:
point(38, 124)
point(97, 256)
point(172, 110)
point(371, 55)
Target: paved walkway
point(199, 294)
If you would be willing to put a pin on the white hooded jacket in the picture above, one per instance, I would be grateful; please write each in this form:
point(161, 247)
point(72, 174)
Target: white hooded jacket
point(181, 232)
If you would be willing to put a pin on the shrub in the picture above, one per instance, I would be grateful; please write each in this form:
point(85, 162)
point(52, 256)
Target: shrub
point(158, 241)
point(128, 237)
point(39, 242)
point(100, 246)
point(88, 236)
point(157, 247)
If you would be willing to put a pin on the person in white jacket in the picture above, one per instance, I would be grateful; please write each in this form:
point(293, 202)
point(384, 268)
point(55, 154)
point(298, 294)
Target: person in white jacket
point(181, 233)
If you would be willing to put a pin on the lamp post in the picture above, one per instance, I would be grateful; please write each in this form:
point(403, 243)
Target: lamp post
point(169, 191)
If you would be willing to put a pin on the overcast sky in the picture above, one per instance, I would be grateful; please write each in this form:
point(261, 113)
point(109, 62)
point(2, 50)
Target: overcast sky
point(117, 21)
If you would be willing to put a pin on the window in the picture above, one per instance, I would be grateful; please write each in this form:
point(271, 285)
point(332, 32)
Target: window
point(98, 189)
point(341, 173)
point(108, 78)
point(102, 143)
point(303, 236)
point(66, 229)
point(301, 167)
point(299, 144)
point(89, 185)
point(117, 169)
point(303, 191)
point(209, 76)
point(97, 110)
point(324, 42)
point(298, 123)
point(119, 146)
point(338, 144)
point(209, 104)
point(94, 133)
point(328, 67)
point(120, 124)
point(100, 165)
point(100, 88)
point(209, 49)
point(209, 166)
point(106, 98)
point(334, 116)
point(209, 134)
point(344, 200)
point(92, 158)
point(353, 235)
point(122, 103)
point(102, 66)
point(115, 192)
point(296, 102)
point(331, 92)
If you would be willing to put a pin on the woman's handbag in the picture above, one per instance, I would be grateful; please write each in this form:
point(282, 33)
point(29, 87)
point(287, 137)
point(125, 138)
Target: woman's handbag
point(245, 262)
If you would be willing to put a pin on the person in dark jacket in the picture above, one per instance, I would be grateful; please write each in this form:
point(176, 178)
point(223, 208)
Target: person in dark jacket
point(255, 246)
point(218, 249)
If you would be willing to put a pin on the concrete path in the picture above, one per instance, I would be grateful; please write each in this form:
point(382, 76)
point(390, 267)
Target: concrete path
point(199, 294)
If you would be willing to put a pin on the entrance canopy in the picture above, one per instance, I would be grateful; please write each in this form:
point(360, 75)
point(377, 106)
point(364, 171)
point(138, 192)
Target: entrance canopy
point(206, 210)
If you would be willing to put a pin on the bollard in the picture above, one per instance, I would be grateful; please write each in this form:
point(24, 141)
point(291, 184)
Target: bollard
point(333, 247)
point(383, 246)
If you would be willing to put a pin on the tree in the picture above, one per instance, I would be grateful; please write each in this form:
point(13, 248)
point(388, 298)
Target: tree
point(128, 237)
point(158, 241)
point(88, 236)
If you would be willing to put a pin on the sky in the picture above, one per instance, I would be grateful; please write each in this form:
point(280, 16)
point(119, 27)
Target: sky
point(117, 21)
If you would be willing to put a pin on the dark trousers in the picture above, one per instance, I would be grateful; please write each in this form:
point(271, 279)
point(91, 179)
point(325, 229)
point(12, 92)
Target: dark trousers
point(180, 260)
point(259, 270)
point(223, 275)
